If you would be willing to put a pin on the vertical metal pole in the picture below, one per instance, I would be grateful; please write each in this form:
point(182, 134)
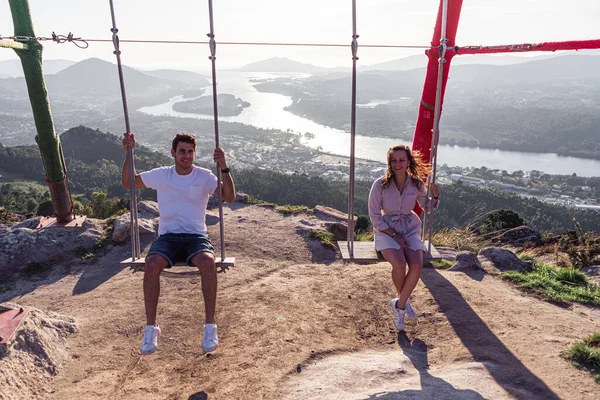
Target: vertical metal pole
point(436, 122)
point(135, 234)
point(354, 48)
point(213, 51)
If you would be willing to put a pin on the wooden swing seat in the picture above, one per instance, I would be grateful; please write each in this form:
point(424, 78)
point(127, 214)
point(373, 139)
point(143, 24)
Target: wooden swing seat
point(365, 252)
point(139, 263)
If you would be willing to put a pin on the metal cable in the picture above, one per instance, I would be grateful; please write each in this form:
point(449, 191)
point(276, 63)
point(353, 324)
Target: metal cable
point(354, 47)
point(74, 40)
point(213, 59)
point(135, 235)
point(436, 123)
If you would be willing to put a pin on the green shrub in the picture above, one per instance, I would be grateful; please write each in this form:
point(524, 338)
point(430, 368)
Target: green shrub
point(586, 354)
point(499, 220)
point(557, 285)
point(582, 248)
point(326, 238)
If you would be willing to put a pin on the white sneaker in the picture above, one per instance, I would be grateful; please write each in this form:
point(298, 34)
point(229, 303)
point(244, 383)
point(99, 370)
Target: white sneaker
point(210, 341)
point(411, 313)
point(150, 342)
point(398, 316)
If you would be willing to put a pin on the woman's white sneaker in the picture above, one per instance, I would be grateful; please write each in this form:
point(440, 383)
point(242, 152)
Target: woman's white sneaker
point(398, 316)
point(150, 341)
point(411, 313)
point(210, 341)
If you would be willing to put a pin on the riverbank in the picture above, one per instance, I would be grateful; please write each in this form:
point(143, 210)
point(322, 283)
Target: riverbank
point(267, 111)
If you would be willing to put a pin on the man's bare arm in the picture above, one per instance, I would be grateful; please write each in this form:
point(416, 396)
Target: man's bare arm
point(129, 141)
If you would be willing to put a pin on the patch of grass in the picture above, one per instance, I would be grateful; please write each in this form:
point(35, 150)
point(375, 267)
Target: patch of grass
point(526, 257)
point(254, 200)
point(326, 238)
point(441, 264)
point(364, 236)
point(459, 239)
point(286, 209)
point(289, 209)
point(586, 354)
point(557, 285)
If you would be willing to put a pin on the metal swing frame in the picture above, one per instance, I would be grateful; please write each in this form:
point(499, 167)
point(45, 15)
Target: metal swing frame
point(136, 261)
point(365, 251)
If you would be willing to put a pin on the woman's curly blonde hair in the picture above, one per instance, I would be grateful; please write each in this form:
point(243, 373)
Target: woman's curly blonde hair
point(417, 168)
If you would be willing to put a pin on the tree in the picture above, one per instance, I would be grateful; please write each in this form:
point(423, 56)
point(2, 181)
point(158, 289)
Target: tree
point(499, 220)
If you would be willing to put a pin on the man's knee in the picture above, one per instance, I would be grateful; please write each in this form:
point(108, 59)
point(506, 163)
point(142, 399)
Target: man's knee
point(204, 261)
point(155, 264)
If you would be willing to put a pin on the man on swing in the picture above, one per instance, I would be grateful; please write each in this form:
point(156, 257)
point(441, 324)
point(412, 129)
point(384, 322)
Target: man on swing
point(183, 191)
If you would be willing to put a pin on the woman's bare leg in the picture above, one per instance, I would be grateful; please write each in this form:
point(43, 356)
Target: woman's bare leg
point(398, 261)
point(415, 266)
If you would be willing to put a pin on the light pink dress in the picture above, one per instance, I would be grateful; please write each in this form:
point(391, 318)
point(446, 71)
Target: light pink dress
point(390, 208)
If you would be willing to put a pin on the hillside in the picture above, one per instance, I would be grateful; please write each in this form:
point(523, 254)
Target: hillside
point(94, 161)
point(547, 106)
point(91, 87)
point(420, 61)
point(14, 69)
point(297, 323)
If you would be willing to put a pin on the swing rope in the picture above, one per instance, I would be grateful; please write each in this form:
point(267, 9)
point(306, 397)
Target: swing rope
point(213, 58)
point(354, 48)
point(135, 235)
point(435, 134)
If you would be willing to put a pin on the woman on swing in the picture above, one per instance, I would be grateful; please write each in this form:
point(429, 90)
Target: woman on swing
point(397, 227)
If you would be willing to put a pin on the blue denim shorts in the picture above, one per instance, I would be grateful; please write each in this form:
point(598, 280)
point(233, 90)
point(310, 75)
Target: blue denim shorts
point(179, 247)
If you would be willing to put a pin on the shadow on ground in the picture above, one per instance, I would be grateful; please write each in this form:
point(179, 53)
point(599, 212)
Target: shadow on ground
point(431, 386)
point(485, 347)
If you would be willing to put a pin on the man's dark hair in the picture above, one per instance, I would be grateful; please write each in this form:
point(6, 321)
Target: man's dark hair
point(185, 138)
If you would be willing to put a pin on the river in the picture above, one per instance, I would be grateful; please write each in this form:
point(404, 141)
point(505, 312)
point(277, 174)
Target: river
point(267, 111)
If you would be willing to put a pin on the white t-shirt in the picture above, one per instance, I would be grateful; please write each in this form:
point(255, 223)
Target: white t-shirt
point(182, 199)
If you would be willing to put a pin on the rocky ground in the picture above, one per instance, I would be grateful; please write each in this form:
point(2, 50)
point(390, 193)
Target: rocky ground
point(294, 323)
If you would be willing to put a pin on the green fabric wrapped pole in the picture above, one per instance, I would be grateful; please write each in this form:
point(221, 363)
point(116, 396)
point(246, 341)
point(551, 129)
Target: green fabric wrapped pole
point(47, 140)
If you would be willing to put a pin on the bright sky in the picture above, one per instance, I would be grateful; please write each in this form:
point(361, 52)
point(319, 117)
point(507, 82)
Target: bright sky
point(408, 22)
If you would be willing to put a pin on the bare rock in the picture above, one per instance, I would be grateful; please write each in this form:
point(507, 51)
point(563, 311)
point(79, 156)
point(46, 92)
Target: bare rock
point(122, 226)
point(498, 259)
point(331, 214)
point(148, 209)
point(213, 201)
point(339, 229)
point(447, 253)
point(21, 246)
point(519, 236)
point(593, 273)
point(242, 197)
point(465, 260)
point(212, 219)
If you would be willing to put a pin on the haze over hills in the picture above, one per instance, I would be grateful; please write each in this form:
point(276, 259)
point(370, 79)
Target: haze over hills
point(94, 82)
point(189, 77)
point(420, 61)
point(13, 68)
point(281, 64)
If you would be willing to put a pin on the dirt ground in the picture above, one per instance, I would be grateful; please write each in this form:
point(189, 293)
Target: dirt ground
point(296, 323)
